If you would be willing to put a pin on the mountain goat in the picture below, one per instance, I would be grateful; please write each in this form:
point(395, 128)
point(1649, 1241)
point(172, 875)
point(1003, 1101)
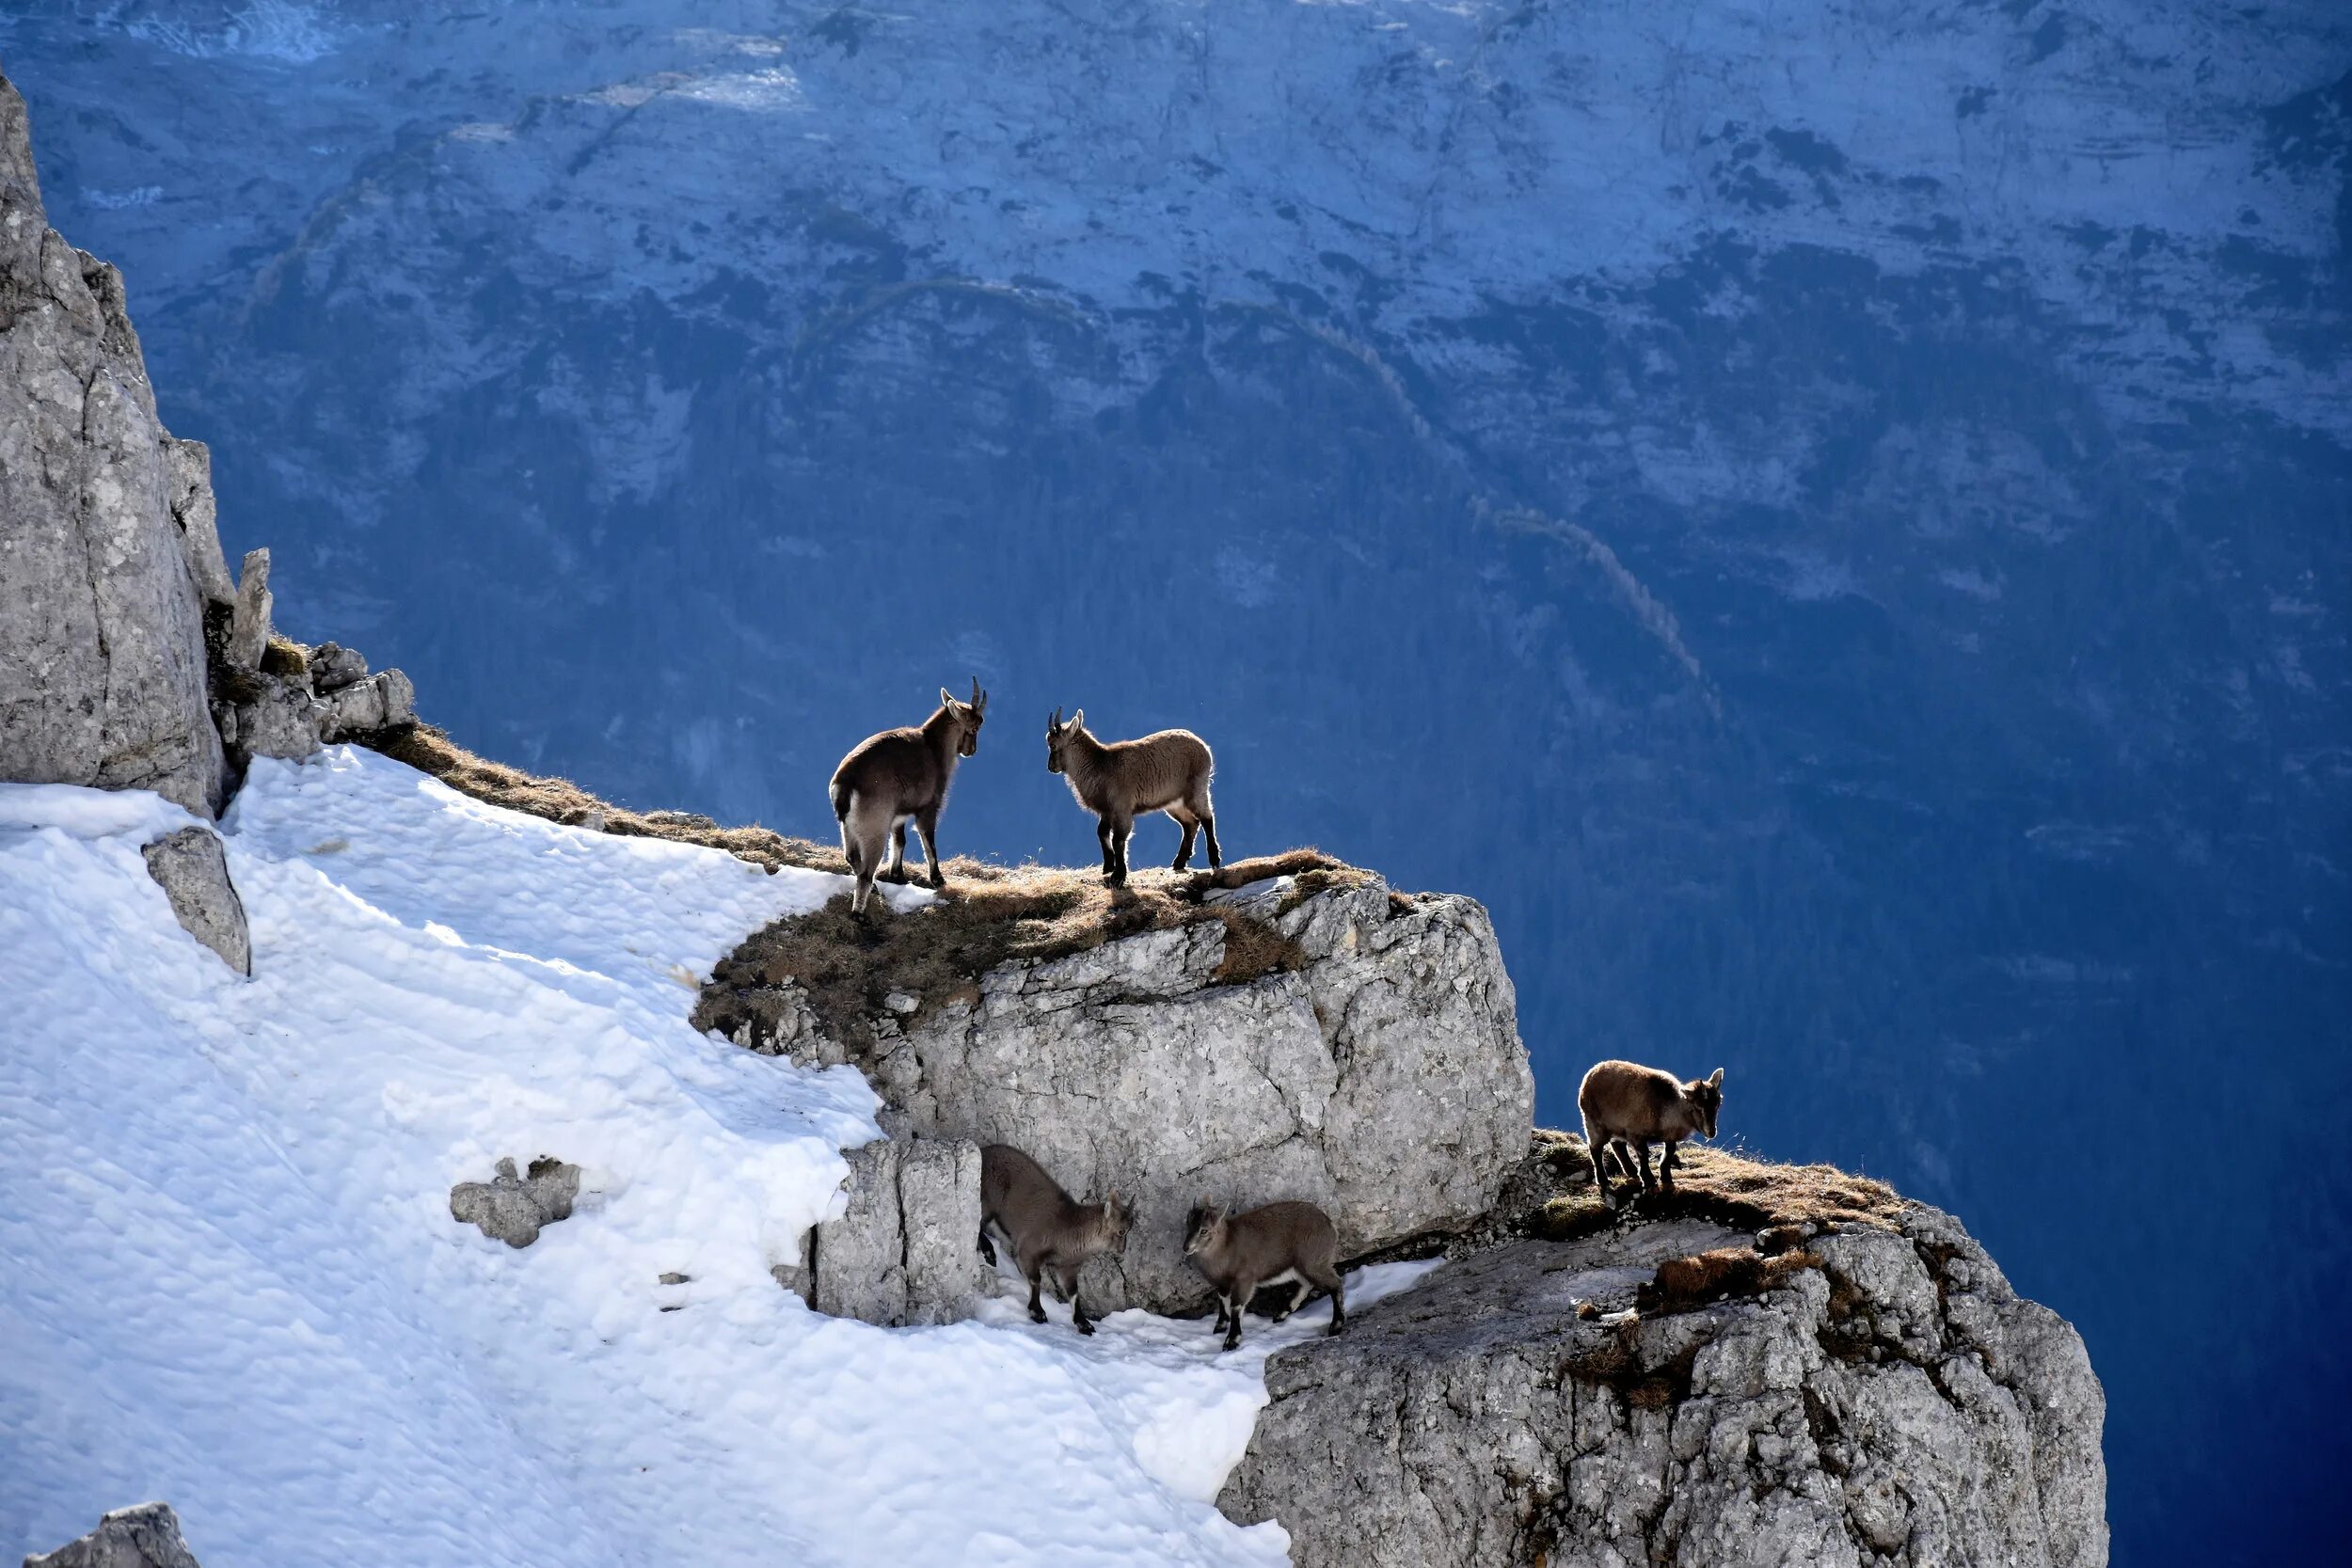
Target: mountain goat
point(1624, 1103)
point(1278, 1245)
point(1048, 1230)
point(1120, 780)
point(901, 776)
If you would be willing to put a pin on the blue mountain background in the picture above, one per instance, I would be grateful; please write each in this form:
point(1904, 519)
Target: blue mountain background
point(1835, 521)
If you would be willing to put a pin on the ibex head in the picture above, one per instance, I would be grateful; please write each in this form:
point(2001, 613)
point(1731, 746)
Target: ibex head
point(1205, 1227)
point(1707, 1097)
point(1057, 737)
point(968, 717)
point(1119, 1217)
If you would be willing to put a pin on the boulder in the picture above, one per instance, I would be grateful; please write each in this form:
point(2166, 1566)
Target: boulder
point(334, 667)
point(1380, 1076)
point(147, 1536)
point(905, 1249)
point(514, 1208)
point(1885, 1398)
point(109, 549)
point(192, 870)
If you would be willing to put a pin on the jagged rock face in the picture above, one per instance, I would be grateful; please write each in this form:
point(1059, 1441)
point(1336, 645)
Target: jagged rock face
point(192, 870)
point(109, 549)
point(904, 1251)
point(147, 1536)
point(1383, 1079)
point(513, 1207)
point(1896, 1404)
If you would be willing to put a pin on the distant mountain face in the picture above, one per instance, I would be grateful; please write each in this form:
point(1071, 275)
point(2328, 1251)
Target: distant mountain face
point(1833, 519)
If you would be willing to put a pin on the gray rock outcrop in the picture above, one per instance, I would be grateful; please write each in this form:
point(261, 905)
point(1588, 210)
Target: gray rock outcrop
point(514, 1208)
point(129, 659)
point(903, 1252)
point(109, 553)
point(192, 870)
point(1381, 1077)
point(147, 1536)
point(1888, 1399)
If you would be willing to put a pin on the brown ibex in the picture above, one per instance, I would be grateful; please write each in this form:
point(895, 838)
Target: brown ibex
point(1120, 780)
point(1050, 1232)
point(1278, 1245)
point(1624, 1103)
point(901, 776)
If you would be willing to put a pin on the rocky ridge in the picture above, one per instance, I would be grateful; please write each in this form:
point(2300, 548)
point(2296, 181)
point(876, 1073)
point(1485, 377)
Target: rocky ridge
point(134, 661)
point(1377, 1073)
point(1874, 1395)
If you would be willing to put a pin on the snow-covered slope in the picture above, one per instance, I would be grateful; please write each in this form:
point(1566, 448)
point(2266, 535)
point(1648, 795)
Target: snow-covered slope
point(234, 1282)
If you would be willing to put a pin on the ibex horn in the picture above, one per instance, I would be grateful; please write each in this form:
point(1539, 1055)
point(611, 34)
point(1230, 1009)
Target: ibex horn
point(979, 696)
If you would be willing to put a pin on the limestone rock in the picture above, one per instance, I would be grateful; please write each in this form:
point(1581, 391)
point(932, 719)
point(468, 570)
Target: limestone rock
point(400, 696)
point(249, 614)
point(334, 667)
point(147, 1536)
point(904, 1251)
point(354, 710)
point(1896, 1404)
point(102, 624)
point(192, 870)
point(1382, 1079)
point(514, 1208)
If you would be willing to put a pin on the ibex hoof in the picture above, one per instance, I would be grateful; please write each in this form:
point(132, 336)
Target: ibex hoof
point(1037, 1314)
point(1334, 1332)
point(1082, 1325)
point(1233, 1341)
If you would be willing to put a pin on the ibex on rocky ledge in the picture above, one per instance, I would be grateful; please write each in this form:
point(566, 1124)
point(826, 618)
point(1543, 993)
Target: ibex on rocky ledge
point(901, 776)
point(1624, 1103)
point(1122, 779)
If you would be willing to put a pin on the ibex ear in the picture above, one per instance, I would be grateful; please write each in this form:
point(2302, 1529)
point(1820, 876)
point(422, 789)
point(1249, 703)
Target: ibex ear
point(946, 698)
point(1078, 719)
point(1716, 1078)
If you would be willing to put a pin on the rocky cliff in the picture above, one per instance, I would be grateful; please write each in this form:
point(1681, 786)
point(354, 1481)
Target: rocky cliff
point(1871, 1395)
point(1317, 1037)
point(129, 659)
point(108, 558)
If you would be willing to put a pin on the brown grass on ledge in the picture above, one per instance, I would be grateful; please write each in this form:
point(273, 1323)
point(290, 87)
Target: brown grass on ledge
point(1734, 1189)
point(990, 915)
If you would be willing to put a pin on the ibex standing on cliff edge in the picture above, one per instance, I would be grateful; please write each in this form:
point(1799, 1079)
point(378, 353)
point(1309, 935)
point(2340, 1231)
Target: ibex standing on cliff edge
point(901, 776)
point(1626, 1103)
point(1120, 780)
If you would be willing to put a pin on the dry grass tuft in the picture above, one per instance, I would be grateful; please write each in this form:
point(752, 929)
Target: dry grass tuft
point(284, 658)
point(1684, 1283)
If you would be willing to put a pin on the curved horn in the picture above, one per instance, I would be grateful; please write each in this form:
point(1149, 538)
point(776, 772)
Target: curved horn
point(979, 698)
point(1054, 722)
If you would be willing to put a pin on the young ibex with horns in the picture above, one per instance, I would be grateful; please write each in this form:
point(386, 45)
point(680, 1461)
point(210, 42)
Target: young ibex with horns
point(1120, 780)
point(1625, 1103)
point(901, 776)
point(1050, 1232)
